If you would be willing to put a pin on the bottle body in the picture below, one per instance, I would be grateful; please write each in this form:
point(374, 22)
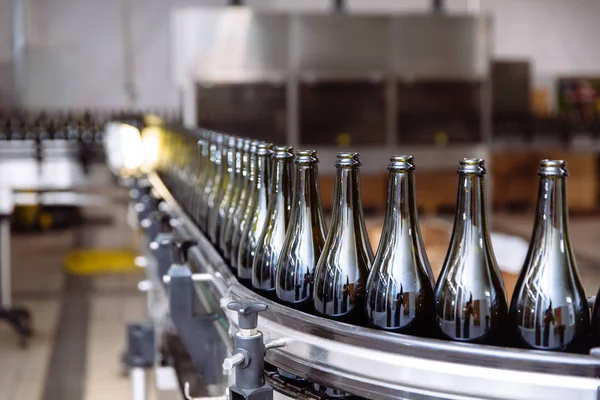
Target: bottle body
point(400, 284)
point(305, 237)
point(469, 297)
point(225, 175)
point(341, 272)
point(238, 222)
point(241, 165)
point(255, 215)
point(214, 161)
point(269, 246)
point(549, 308)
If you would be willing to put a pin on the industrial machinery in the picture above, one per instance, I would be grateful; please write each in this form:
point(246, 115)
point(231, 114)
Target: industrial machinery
point(204, 324)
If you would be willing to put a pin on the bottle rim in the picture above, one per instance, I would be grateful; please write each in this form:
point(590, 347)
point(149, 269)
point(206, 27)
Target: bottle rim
point(306, 157)
point(263, 149)
point(283, 152)
point(553, 168)
point(472, 166)
point(402, 163)
point(348, 159)
point(239, 143)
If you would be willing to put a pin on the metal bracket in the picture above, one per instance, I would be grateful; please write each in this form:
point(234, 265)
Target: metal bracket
point(140, 345)
point(248, 359)
point(197, 332)
point(161, 248)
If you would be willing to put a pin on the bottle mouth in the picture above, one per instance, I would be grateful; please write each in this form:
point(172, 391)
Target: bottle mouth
point(553, 168)
point(306, 157)
point(347, 159)
point(201, 143)
point(217, 137)
point(283, 152)
point(231, 142)
point(474, 166)
point(263, 149)
point(247, 144)
point(239, 144)
point(402, 163)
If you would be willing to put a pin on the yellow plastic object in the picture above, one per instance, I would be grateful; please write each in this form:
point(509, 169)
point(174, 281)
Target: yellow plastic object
point(96, 262)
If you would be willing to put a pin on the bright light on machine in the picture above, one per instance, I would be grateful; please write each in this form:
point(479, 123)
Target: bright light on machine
point(150, 147)
point(123, 148)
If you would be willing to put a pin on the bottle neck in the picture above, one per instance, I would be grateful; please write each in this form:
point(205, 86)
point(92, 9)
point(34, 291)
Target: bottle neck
point(307, 196)
point(261, 177)
point(401, 206)
point(231, 159)
point(470, 212)
point(551, 220)
point(347, 196)
point(281, 184)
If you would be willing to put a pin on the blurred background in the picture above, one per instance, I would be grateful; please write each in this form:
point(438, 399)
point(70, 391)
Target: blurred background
point(510, 81)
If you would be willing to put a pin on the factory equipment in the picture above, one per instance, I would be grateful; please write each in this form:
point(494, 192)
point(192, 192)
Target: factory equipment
point(207, 323)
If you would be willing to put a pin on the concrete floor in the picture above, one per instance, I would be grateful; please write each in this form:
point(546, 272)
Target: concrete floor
point(87, 366)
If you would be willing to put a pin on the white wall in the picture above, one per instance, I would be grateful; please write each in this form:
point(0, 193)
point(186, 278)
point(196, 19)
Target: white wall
point(76, 53)
point(6, 84)
point(559, 37)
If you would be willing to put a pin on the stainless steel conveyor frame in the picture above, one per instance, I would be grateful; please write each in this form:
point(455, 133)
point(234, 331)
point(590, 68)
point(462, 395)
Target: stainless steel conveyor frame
point(376, 364)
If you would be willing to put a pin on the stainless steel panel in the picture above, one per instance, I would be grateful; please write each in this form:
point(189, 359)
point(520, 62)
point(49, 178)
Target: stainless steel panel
point(439, 46)
point(382, 365)
point(337, 43)
point(229, 44)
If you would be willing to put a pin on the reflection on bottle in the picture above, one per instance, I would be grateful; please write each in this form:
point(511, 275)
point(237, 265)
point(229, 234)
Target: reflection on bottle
point(470, 287)
point(549, 309)
point(342, 270)
point(400, 284)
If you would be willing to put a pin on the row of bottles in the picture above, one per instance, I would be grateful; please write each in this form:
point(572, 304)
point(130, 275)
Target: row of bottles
point(260, 207)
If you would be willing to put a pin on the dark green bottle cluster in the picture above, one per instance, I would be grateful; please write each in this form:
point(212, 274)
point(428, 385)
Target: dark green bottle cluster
point(260, 206)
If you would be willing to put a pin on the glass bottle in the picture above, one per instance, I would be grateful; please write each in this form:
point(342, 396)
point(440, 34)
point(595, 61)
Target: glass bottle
point(270, 242)
point(549, 308)
point(255, 214)
point(400, 284)
point(305, 236)
point(241, 160)
point(214, 179)
point(469, 296)
point(595, 331)
point(223, 195)
point(200, 177)
point(238, 223)
point(342, 270)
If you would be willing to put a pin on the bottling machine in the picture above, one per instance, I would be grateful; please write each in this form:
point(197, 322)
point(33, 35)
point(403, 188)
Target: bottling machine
point(208, 336)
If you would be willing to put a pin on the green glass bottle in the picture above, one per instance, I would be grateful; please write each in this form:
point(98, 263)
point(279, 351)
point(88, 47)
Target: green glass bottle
point(201, 177)
point(241, 161)
point(270, 243)
point(305, 236)
point(255, 214)
point(214, 154)
point(342, 270)
point(217, 215)
point(238, 223)
point(549, 308)
point(400, 284)
point(470, 299)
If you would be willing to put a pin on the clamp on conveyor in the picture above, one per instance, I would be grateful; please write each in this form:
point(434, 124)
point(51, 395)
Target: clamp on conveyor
point(248, 358)
point(197, 332)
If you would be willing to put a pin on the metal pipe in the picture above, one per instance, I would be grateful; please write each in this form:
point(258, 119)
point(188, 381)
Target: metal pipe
point(139, 388)
point(5, 276)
